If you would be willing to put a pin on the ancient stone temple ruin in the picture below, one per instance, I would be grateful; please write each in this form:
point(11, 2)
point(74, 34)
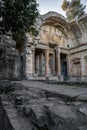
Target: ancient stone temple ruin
point(59, 52)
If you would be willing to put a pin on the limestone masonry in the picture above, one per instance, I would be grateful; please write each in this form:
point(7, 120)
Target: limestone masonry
point(59, 52)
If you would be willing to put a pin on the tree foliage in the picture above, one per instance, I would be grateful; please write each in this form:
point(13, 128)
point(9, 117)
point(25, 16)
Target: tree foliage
point(74, 9)
point(17, 16)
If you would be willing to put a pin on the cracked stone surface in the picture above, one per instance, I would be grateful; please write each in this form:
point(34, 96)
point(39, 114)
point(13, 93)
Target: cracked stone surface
point(83, 110)
point(38, 106)
point(82, 97)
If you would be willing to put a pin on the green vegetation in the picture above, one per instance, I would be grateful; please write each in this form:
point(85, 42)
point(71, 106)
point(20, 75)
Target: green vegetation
point(74, 9)
point(17, 17)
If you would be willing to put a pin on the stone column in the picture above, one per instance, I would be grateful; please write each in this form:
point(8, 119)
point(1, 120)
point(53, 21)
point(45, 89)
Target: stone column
point(58, 63)
point(33, 60)
point(16, 67)
point(37, 65)
point(68, 65)
point(53, 64)
point(42, 62)
point(47, 64)
point(82, 68)
point(29, 63)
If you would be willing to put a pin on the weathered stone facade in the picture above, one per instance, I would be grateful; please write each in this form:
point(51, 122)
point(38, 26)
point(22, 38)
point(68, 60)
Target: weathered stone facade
point(59, 51)
point(9, 61)
point(4, 120)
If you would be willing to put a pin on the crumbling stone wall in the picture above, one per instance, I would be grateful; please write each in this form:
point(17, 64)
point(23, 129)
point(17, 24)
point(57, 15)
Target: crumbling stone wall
point(4, 121)
point(9, 58)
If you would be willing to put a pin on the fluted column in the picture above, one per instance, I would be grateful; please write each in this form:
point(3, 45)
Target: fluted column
point(47, 63)
point(53, 64)
point(58, 63)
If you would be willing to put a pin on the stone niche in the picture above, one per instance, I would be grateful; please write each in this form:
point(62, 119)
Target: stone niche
point(8, 58)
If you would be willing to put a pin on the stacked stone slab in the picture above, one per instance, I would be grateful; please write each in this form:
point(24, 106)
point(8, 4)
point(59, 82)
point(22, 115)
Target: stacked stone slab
point(8, 58)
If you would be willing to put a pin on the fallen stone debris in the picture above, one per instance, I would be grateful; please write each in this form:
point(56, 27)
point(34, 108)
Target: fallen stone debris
point(30, 108)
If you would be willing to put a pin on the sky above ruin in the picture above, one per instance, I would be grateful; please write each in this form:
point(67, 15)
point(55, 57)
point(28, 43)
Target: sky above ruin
point(54, 5)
